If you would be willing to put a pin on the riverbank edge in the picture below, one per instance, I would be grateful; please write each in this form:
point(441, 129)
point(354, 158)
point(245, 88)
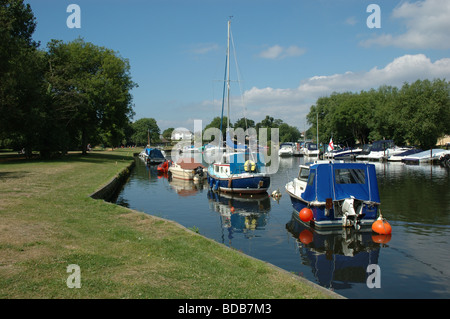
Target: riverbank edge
point(111, 188)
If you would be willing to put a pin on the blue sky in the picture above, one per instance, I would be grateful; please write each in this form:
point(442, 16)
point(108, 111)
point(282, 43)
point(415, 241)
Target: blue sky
point(289, 52)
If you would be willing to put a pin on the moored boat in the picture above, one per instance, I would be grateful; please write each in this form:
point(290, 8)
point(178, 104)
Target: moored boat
point(239, 169)
point(347, 153)
point(400, 156)
point(425, 156)
point(286, 149)
point(337, 194)
point(311, 150)
point(241, 172)
point(152, 155)
point(383, 149)
point(365, 151)
point(187, 169)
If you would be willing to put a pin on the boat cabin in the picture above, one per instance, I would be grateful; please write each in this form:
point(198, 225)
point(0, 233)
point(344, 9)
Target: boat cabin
point(240, 162)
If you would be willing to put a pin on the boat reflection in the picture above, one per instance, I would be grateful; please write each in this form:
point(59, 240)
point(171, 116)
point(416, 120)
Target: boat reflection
point(186, 187)
point(241, 214)
point(338, 258)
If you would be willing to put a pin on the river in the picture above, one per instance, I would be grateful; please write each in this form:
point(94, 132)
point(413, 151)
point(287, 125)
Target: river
point(413, 263)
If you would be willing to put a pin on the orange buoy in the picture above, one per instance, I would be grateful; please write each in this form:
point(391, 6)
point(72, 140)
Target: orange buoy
point(381, 226)
point(381, 239)
point(305, 214)
point(306, 236)
point(232, 209)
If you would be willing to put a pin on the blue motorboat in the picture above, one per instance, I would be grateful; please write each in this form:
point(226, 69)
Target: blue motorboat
point(152, 155)
point(239, 172)
point(338, 194)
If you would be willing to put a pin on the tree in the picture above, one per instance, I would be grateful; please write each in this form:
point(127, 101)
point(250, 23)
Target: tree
point(21, 85)
point(217, 123)
point(423, 109)
point(142, 129)
point(90, 91)
point(167, 133)
point(244, 123)
point(288, 133)
point(268, 122)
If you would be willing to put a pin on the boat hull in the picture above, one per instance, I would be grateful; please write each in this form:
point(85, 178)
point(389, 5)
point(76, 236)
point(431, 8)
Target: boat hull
point(185, 174)
point(285, 154)
point(323, 218)
point(154, 161)
point(249, 184)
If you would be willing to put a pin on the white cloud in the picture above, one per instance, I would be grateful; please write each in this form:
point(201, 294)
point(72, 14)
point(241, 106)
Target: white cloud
point(279, 52)
point(203, 48)
point(427, 26)
point(351, 21)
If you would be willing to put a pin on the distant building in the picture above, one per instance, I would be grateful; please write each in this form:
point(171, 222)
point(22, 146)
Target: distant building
point(182, 134)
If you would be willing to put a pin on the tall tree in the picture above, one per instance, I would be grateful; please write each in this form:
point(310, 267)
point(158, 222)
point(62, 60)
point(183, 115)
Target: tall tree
point(423, 110)
point(288, 133)
point(20, 74)
point(216, 123)
point(268, 123)
point(167, 133)
point(90, 90)
point(144, 128)
point(244, 123)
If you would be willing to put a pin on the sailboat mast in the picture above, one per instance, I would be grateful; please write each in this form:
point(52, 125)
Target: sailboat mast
point(317, 116)
point(228, 75)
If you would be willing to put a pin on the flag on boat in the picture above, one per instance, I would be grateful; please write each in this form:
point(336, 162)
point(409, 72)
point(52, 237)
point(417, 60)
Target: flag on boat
point(330, 145)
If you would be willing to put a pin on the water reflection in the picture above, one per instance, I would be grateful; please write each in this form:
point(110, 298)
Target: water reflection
point(338, 258)
point(414, 193)
point(241, 214)
point(414, 199)
point(186, 187)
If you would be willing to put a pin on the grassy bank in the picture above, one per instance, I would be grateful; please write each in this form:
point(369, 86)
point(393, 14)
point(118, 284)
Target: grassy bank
point(48, 221)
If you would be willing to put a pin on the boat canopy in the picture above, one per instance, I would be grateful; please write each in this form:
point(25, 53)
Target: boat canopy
point(341, 180)
point(382, 145)
point(237, 161)
point(154, 153)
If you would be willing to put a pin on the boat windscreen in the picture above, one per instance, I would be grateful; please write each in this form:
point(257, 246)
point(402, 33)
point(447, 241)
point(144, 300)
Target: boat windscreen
point(350, 176)
point(303, 174)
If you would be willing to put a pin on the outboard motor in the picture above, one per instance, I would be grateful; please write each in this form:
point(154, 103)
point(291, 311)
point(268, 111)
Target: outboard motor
point(351, 218)
point(199, 171)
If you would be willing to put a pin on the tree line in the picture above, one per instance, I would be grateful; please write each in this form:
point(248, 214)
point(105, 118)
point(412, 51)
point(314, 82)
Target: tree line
point(416, 114)
point(148, 127)
point(287, 133)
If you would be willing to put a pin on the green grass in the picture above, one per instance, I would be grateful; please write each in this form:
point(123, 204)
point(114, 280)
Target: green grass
point(48, 222)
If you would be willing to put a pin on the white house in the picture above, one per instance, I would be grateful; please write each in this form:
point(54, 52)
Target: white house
point(182, 134)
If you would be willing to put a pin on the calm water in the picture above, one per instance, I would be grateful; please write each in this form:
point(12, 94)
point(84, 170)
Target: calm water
point(414, 263)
